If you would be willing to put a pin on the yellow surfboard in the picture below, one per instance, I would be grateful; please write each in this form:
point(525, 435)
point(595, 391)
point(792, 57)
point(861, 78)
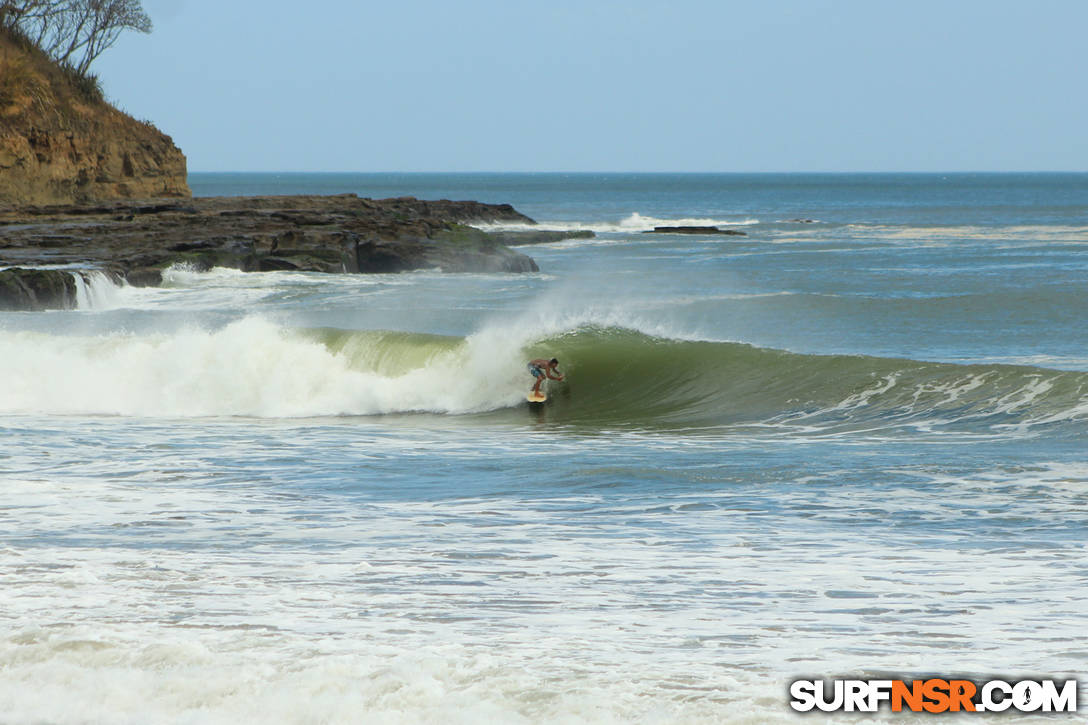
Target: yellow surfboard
point(536, 397)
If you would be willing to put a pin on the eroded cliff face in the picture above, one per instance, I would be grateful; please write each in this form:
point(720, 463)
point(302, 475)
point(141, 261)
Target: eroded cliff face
point(107, 161)
point(59, 145)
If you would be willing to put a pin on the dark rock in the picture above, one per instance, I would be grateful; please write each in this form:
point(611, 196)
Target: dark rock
point(55, 240)
point(304, 218)
point(456, 249)
point(144, 277)
point(467, 249)
point(524, 238)
point(164, 207)
point(379, 257)
point(275, 264)
point(240, 246)
point(191, 246)
point(37, 289)
point(696, 230)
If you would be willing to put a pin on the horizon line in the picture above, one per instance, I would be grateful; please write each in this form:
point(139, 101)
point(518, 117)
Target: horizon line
point(673, 173)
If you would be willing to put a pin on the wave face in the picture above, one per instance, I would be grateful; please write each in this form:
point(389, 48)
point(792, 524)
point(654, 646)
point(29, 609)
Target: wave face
point(619, 375)
point(616, 377)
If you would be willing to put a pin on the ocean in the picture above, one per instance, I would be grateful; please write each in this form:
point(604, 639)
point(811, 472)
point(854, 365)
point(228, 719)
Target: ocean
point(849, 444)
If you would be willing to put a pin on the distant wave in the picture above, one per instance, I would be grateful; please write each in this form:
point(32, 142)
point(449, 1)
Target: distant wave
point(632, 223)
point(1019, 235)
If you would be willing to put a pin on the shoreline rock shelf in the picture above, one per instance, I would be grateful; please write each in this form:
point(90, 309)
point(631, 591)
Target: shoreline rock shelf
point(136, 240)
point(544, 236)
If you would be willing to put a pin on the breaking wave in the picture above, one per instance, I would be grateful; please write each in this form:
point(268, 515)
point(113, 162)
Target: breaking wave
point(616, 377)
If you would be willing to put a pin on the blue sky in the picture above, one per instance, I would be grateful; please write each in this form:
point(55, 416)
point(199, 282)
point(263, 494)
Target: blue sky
point(687, 85)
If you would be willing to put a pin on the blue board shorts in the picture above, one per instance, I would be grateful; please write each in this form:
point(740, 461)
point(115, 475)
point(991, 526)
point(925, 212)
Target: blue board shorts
point(535, 371)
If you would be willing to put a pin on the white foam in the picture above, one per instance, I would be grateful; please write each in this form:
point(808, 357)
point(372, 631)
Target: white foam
point(533, 616)
point(95, 290)
point(184, 274)
point(250, 367)
point(84, 674)
point(995, 237)
point(220, 288)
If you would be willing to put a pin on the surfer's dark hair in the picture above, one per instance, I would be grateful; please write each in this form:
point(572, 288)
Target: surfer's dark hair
point(554, 361)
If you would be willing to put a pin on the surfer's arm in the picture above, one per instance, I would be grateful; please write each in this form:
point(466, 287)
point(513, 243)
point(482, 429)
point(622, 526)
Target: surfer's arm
point(552, 377)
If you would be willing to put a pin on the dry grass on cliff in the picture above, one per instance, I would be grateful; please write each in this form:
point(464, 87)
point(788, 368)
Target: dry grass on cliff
point(22, 85)
point(33, 84)
point(18, 84)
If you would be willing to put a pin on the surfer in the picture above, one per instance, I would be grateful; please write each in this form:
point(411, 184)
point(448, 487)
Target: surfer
point(541, 369)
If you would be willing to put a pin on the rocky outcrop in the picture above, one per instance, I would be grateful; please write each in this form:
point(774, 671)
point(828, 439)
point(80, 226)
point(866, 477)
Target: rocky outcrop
point(61, 143)
point(524, 238)
point(696, 230)
point(340, 234)
point(479, 255)
point(36, 289)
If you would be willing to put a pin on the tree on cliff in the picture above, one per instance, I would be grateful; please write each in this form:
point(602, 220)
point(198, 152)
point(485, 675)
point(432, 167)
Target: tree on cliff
point(74, 32)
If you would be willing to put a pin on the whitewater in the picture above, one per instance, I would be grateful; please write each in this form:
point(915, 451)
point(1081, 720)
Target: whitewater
point(848, 444)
